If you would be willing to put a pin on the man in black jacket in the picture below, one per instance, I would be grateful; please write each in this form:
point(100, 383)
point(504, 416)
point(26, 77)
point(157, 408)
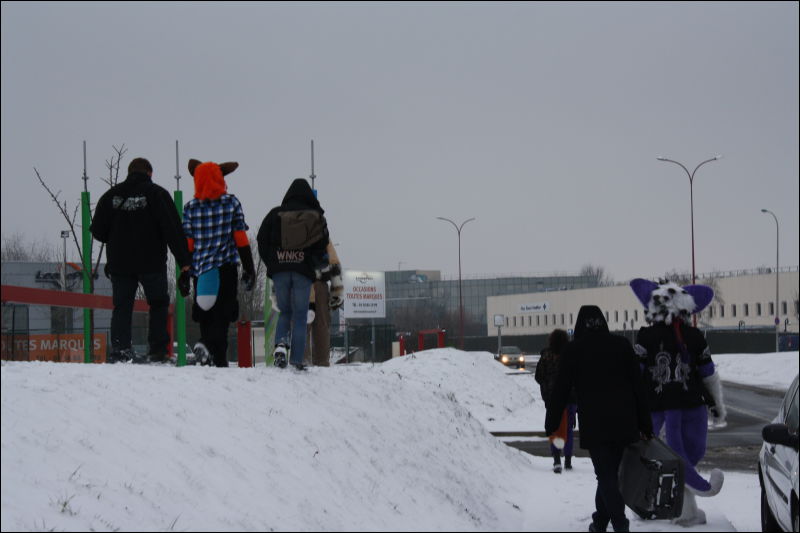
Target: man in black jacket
point(137, 220)
point(612, 406)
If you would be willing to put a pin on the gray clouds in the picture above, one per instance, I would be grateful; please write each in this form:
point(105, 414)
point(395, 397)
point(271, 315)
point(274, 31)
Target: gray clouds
point(541, 120)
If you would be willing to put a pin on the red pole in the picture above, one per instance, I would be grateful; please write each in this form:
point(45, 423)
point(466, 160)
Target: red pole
point(421, 342)
point(441, 340)
point(402, 345)
point(243, 342)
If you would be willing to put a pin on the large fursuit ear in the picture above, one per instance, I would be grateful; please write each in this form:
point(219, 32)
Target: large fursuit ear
point(193, 164)
point(702, 295)
point(643, 288)
point(229, 167)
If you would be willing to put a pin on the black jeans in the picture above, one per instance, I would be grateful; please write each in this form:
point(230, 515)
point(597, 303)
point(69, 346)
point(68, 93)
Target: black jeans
point(215, 322)
point(608, 499)
point(157, 294)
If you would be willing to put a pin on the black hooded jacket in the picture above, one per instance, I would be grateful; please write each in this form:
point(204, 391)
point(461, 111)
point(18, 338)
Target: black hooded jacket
point(604, 370)
point(299, 197)
point(137, 220)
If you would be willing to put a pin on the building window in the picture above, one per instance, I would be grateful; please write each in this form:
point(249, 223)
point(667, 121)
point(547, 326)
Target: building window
point(626, 315)
point(545, 320)
point(733, 310)
point(570, 319)
point(562, 319)
point(537, 321)
point(606, 316)
point(722, 311)
point(758, 309)
point(746, 309)
point(636, 315)
point(784, 308)
point(772, 309)
point(554, 319)
point(616, 316)
point(508, 321)
point(710, 311)
point(530, 320)
point(515, 321)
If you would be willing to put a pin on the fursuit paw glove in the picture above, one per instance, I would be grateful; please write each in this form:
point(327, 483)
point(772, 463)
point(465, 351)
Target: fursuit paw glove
point(337, 288)
point(717, 412)
point(311, 313)
point(249, 274)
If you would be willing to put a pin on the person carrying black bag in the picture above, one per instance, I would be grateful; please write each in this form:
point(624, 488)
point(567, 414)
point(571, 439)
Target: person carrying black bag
point(612, 406)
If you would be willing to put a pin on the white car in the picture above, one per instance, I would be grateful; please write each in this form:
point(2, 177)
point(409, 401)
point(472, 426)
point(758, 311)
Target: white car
point(777, 467)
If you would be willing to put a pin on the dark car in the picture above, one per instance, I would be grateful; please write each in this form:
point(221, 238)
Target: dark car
point(777, 467)
point(511, 356)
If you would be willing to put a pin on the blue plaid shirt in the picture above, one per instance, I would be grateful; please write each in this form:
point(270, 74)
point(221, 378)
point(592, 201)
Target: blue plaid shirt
point(211, 224)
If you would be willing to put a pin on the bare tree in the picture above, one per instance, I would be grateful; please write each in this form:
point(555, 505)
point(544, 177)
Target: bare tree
point(14, 248)
point(597, 274)
point(113, 166)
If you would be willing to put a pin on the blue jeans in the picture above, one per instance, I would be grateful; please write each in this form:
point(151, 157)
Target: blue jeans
point(292, 291)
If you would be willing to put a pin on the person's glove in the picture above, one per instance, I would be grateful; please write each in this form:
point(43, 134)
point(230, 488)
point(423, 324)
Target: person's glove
point(184, 283)
point(337, 288)
point(311, 312)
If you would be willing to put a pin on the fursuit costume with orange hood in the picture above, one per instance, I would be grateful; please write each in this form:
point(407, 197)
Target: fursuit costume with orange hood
point(683, 385)
point(214, 225)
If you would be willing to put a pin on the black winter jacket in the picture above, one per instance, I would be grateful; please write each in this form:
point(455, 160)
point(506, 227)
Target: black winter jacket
point(305, 261)
point(672, 380)
point(603, 368)
point(546, 374)
point(137, 220)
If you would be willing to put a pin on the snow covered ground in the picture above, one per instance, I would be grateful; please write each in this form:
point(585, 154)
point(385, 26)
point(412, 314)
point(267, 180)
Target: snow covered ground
point(403, 445)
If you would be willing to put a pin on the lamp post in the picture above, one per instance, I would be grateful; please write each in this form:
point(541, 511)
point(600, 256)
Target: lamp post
point(777, 272)
point(460, 299)
point(691, 206)
point(64, 236)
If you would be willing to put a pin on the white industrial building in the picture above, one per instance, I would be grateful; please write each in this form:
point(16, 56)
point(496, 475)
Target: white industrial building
point(743, 300)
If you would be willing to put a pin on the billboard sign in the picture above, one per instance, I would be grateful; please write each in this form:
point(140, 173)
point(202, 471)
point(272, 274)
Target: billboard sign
point(364, 294)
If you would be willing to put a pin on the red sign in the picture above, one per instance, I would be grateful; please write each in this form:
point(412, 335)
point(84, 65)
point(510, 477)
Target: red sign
point(66, 347)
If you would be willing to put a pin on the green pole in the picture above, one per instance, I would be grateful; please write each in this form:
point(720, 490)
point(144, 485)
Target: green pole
point(180, 307)
point(86, 217)
point(270, 320)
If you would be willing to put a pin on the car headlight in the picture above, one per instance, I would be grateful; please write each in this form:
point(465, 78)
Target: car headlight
point(504, 359)
point(521, 359)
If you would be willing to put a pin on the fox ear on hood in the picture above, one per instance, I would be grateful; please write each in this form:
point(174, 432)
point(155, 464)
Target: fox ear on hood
point(193, 164)
point(229, 167)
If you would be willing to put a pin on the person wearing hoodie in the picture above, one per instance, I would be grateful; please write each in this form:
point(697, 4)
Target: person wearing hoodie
point(137, 220)
point(214, 226)
point(546, 372)
point(612, 407)
point(292, 242)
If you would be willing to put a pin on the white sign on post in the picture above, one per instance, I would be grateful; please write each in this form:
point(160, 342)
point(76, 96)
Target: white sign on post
point(364, 294)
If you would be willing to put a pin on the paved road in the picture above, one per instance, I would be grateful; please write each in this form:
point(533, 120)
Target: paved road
point(734, 447)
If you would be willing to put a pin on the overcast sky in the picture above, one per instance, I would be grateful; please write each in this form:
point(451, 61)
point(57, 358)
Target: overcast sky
point(541, 120)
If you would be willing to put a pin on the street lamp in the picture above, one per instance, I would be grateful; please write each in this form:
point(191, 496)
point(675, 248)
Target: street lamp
point(777, 264)
point(65, 236)
point(460, 298)
point(691, 204)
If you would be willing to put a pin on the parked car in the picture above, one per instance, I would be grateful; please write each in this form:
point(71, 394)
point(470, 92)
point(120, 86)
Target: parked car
point(511, 356)
point(777, 467)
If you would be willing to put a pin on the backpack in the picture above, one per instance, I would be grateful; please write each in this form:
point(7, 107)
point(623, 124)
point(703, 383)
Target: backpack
point(300, 229)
